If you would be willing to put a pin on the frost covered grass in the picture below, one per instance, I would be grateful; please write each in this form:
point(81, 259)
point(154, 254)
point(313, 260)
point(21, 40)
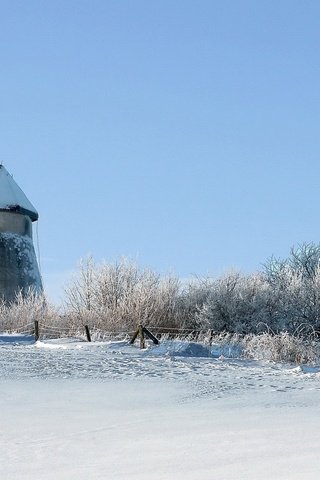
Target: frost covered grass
point(282, 347)
point(20, 315)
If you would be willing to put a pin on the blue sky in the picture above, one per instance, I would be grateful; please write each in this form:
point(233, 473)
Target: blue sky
point(182, 134)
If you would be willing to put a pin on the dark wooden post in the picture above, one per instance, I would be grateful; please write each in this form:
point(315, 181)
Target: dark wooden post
point(134, 337)
point(150, 335)
point(141, 334)
point(36, 330)
point(87, 333)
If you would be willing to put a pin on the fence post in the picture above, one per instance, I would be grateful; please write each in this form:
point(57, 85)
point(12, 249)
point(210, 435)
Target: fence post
point(87, 333)
point(141, 334)
point(136, 333)
point(150, 335)
point(36, 330)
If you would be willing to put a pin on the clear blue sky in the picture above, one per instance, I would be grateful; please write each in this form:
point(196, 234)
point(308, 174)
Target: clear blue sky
point(183, 134)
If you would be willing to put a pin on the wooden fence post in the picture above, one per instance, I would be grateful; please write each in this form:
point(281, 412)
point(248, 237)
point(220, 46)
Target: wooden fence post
point(36, 330)
point(87, 333)
point(151, 336)
point(136, 333)
point(141, 334)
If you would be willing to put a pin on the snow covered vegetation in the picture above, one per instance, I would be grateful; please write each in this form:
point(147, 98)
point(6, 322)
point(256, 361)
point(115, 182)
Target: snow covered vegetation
point(284, 296)
point(271, 314)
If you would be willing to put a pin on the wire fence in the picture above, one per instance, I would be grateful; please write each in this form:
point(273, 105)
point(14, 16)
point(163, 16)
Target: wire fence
point(269, 346)
point(46, 332)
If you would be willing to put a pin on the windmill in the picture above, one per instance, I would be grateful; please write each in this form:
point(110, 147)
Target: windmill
point(19, 271)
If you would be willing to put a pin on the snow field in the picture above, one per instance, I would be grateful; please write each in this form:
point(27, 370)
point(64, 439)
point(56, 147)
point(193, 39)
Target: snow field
point(79, 411)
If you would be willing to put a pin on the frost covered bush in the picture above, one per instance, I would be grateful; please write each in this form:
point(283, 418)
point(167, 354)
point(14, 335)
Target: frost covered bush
point(303, 260)
point(191, 299)
point(295, 284)
point(120, 296)
point(284, 297)
point(237, 303)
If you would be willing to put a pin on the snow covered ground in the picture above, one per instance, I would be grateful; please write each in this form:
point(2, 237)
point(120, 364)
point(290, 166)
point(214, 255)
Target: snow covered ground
point(72, 410)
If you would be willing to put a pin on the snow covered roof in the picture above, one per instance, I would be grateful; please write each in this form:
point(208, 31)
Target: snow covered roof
point(12, 197)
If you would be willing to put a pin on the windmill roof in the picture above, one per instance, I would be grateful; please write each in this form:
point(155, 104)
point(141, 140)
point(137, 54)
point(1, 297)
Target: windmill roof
point(12, 197)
